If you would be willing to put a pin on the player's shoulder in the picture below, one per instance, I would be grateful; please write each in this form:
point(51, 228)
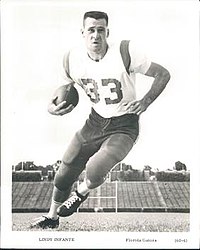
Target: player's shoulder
point(114, 44)
point(76, 49)
point(118, 44)
point(72, 54)
point(138, 46)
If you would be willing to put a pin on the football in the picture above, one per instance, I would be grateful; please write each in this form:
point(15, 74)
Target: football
point(66, 93)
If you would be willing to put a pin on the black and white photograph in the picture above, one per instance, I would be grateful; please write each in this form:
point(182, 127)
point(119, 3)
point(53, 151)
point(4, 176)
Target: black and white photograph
point(100, 135)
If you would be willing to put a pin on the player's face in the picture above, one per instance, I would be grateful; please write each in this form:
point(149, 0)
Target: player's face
point(95, 33)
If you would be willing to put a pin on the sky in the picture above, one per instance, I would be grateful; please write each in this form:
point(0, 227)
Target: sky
point(35, 36)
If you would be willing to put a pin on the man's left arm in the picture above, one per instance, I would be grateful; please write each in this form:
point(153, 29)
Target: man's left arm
point(161, 78)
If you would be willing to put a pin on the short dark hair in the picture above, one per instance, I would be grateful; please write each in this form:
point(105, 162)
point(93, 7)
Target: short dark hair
point(96, 15)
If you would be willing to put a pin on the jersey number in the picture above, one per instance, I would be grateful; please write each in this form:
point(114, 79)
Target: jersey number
point(114, 85)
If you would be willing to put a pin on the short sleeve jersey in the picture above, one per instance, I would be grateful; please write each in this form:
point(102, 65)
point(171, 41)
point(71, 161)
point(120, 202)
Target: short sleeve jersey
point(106, 82)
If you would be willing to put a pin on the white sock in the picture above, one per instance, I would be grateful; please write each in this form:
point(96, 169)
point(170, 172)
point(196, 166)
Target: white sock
point(83, 189)
point(53, 210)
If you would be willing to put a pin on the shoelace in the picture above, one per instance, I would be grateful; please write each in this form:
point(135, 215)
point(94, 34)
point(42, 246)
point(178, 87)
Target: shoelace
point(71, 201)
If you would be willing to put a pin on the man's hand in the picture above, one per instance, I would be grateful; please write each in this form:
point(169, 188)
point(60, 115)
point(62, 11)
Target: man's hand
point(161, 77)
point(136, 107)
point(59, 109)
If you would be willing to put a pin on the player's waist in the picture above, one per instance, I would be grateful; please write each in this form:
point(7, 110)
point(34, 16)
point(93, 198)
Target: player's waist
point(115, 119)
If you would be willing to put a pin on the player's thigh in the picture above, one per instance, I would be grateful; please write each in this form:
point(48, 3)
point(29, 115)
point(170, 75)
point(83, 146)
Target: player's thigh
point(112, 151)
point(74, 160)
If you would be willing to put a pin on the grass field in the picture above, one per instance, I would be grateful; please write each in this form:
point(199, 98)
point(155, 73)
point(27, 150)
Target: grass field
point(111, 222)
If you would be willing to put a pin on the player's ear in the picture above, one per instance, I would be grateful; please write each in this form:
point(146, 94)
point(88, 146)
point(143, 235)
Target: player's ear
point(82, 31)
point(108, 33)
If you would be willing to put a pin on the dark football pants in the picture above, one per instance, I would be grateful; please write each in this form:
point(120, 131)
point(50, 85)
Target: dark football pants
point(97, 148)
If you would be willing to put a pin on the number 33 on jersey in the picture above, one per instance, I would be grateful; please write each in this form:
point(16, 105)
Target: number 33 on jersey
point(92, 89)
point(108, 83)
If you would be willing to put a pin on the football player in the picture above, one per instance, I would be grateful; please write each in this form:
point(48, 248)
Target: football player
point(107, 74)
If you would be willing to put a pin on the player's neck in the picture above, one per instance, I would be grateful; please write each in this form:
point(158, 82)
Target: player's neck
point(98, 55)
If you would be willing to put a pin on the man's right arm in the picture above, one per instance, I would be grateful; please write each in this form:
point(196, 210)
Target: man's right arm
point(59, 109)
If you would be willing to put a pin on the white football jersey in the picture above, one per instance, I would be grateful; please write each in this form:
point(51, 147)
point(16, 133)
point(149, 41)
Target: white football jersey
point(106, 82)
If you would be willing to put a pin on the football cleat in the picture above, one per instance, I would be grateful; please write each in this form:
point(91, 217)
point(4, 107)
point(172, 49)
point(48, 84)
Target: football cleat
point(71, 204)
point(45, 222)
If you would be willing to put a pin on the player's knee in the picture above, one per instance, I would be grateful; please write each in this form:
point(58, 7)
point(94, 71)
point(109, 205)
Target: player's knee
point(94, 182)
point(59, 181)
point(63, 178)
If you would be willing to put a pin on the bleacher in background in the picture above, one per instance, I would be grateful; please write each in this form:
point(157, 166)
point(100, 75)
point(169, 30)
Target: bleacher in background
point(140, 196)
